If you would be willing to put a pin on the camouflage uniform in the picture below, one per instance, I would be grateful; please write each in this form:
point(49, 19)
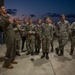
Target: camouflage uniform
point(10, 41)
point(54, 28)
point(47, 34)
point(17, 30)
point(23, 35)
point(38, 29)
point(72, 38)
point(30, 38)
point(63, 35)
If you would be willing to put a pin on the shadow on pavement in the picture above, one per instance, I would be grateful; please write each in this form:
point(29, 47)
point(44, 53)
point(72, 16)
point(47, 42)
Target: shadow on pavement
point(62, 58)
point(40, 62)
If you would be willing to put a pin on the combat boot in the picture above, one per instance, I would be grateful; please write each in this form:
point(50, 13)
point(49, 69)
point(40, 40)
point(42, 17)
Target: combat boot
point(18, 53)
point(38, 51)
point(32, 53)
point(43, 55)
point(47, 56)
point(57, 51)
point(61, 53)
point(28, 53)
point(52, 50)
point(8, 67)
point(71, 53)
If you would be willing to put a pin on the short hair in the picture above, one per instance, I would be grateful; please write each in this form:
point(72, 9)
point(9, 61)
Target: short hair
point(61, 15)
point(14, 20)
point(38, 19)
point(30, 18)
point(46, 17)
point(0, 6)
point(24, 18)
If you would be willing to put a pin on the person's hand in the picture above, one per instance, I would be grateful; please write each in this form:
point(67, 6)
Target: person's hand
point(8, 17)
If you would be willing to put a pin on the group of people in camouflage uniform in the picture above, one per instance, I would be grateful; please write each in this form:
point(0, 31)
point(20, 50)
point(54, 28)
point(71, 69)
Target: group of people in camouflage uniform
point(36, 36)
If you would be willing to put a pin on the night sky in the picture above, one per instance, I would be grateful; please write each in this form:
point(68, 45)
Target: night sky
point(39, 8)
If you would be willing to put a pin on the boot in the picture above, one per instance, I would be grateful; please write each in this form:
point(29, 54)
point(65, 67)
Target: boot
point(22, 50)
point(57, 51)
point(14, 62)
point(71, 53)
point(8, 67)
point(61, 53)
point(18, 53)
point(43, 55)
point(32, 53)
point(47, 57)
point(38, 51)
point(28, 53)
point(52, 50)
